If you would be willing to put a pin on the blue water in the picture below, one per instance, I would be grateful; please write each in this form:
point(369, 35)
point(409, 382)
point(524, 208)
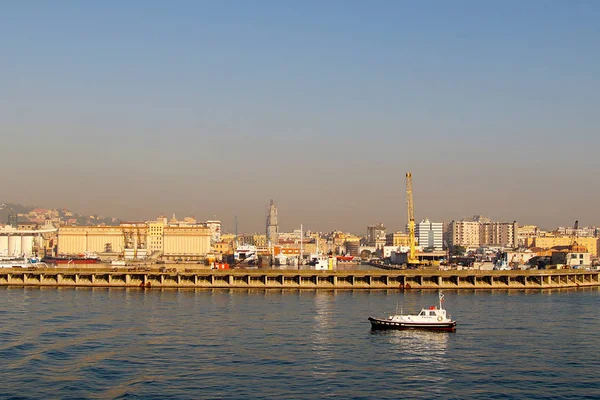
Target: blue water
point(214, 344)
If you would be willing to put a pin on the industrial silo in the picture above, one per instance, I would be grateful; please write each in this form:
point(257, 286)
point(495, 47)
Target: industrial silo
point(3, 245)
point(14, 246)
point(27, 245)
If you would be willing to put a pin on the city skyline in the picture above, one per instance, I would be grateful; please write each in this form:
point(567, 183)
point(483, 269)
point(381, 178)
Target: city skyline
point(75, 215)
point(212, 108)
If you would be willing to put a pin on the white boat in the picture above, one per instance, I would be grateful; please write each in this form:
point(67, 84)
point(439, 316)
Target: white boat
point(22, 263)
point(432, 318)
point(246, 253)
point(321, 262)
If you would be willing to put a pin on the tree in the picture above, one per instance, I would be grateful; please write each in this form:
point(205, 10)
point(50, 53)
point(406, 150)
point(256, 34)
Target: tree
point(458, 250)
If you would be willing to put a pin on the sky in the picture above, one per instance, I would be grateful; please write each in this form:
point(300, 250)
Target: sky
point(212, 108)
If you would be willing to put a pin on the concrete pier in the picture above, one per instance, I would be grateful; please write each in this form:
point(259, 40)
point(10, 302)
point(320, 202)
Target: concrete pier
point(305, 279)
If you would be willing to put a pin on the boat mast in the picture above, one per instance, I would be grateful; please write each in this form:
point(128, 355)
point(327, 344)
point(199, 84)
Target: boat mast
point(301, 249)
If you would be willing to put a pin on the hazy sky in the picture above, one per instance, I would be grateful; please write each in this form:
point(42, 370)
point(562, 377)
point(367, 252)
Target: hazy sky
point(136, 108)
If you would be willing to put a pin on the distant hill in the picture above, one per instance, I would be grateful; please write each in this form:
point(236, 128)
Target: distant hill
point(7, 209)
point(28, 213)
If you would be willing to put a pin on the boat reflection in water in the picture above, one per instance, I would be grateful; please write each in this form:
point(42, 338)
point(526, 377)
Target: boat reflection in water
point(424, 355)
point(418, 343)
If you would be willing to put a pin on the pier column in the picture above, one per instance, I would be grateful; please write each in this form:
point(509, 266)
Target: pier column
point(230, 280)
point(195, 280)
point(109, 278)
point(334, 280)
point(387, 280)
point(369, 279)
point(41, 276)
point(178, 279)
point(76, 278)
point(212, 280)
point(439, 281)
point(127, 279)
point(9, 278)
point(59, 279)
point(145, 279)
point(93, 278)
point(161, 279)
point(281, 279)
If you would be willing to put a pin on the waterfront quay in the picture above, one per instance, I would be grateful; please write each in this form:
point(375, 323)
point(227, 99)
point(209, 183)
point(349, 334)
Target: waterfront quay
point(302, 279)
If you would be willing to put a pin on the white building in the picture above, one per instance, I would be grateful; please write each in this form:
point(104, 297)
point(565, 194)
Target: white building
point(215, 230)
point(430, 234)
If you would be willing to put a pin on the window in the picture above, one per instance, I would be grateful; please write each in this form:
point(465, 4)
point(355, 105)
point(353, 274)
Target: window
point(432, 313)
point(581, 256)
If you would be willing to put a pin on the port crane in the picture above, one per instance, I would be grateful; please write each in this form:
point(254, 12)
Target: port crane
point(412, 258)
point(574, 234)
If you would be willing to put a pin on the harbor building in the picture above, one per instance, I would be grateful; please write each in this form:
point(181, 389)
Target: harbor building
point(74, 240)
point(587, 231)
point(376, 236)
point(464, 233)
point(155, 236)
point(430, 234)
point(528, 231)
point(16, 243)
point(547, 242)
point(186, 243)
point(397, 239)
point(352, 245)
point(137, 240)
point(499, 234)
point(483, 232)
point(575, 257)
point(215, 230)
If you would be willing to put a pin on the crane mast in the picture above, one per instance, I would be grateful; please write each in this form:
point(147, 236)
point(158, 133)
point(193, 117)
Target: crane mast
point(412, 256)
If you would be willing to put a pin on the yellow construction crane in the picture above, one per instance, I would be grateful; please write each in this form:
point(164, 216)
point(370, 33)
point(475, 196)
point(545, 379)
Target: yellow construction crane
point(412, 255)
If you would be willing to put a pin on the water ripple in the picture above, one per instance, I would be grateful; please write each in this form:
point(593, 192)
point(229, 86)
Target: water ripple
point(214, 344)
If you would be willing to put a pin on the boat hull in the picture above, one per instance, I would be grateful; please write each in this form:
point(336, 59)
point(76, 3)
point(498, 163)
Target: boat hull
point(381, 324)
point(56, 260)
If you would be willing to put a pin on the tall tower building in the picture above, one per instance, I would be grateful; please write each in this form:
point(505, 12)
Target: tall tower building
point(272, 225)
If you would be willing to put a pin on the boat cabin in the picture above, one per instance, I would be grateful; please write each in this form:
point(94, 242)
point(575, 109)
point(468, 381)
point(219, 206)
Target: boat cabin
point(432, 311)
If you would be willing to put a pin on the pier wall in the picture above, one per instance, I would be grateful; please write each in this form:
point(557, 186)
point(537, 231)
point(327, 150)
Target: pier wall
point(281, 279)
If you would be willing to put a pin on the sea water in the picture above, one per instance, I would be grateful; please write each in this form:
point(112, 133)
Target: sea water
point(290, 344)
